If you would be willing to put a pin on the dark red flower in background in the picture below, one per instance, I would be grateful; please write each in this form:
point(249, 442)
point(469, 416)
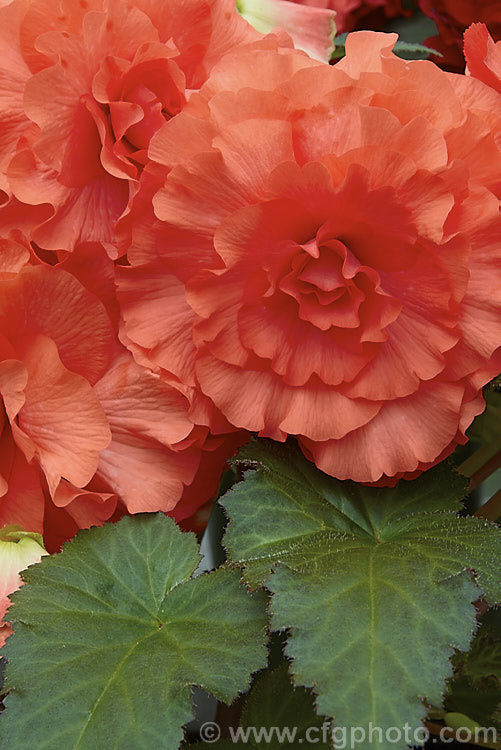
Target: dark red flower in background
point(359, 14)
point(452, 17)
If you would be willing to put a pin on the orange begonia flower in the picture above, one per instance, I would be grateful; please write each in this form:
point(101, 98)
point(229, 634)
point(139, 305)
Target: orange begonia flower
point(325, 253)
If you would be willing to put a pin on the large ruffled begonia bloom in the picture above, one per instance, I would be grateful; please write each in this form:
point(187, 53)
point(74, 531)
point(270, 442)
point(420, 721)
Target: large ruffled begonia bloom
point(18, 549)
point(483, 55)
point(452, 17)
point(326, 256)
point(84, 85)
point(85, 432)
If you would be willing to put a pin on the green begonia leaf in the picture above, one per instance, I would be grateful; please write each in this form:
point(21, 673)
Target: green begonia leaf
point(276, 716)
point(285, 713)
point(481, 705)
point(224, 744)
point(484, 663)
point(374, 584)
point(111, 633)
point(476, 687)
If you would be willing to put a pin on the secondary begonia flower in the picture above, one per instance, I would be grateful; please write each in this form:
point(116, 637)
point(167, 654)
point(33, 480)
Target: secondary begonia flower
point(18, 549)
point(452, 17)
point(312, 28)
point(56, 341)
point(483, 55)
point(84, 85)
point(327, 249)
point(158, 458)
point(82, 426)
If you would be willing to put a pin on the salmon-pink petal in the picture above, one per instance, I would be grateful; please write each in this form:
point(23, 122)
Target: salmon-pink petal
point(136, 400)
point(264, 69)
point(188, 134)
point(70, 144)
point(7, 455)
point(480, 321)
point(170, 146)
point(86, 507)
point(116, 31)
point(165, 472)
point(215, 198)
point(17, 220)
point(149, 295)
point(13, 76)
point(91, 508)
point(297, 349)
point(168, 19)
point(13, 381)
point(484, 375)
point(340, 120)
point(61, 417)
point(483, 56)
point(405, 433)
point(365, 52)
point(52, 302)
point(229, 31)
point(339, 209)
point(92, 266)
point(253, 148)
point(223, 339)
point(261, 402)
point(205, 413)
point(41, 18)
point(420, 141)
point(22, 502)
point(275, 229)
point(473, 144)
point(147, 417)
point(13, 256)
point(481, 336)
point(113, 152)
point(80, 214)
point(407, 103)
point(408, 357)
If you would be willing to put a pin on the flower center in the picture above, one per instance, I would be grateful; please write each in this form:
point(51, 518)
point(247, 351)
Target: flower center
point(334, 290)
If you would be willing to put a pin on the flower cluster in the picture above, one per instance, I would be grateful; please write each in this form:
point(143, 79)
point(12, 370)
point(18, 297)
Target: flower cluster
point(87, 433)
point(207, 233)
